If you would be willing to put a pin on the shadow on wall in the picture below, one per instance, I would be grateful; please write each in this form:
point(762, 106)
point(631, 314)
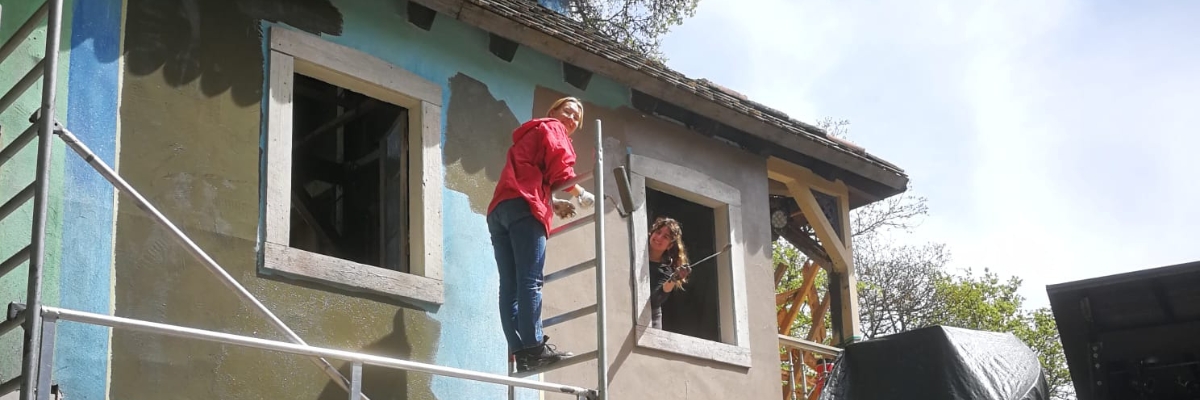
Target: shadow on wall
point(478, 135)
point(380, 383)
point(218, 42)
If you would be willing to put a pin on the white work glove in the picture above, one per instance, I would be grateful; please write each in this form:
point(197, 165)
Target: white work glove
point(563, 208)
point(586, 200)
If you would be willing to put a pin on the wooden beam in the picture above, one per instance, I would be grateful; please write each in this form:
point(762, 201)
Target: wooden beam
point(832, 188)
point(325, 234)
point(817, 333)
point(781, 298)
point(811, 249)
point(361, 110)
point(785, 323)
point(808, 274)
point(830, 239)
point(780, 269)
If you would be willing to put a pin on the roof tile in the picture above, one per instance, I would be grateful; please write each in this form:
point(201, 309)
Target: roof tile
point(533, 15)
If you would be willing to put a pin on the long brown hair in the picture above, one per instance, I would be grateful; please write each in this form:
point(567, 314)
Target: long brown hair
point(676, 253)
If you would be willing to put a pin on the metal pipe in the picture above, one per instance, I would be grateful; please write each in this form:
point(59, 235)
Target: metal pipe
point(292, 348)
point(568, 271)
point(23, 32)
point(574, 181)
point(108, 173)
point(803, 374)
point(13, 261)
point(356, 381)
point(601, 286)
point(569, 226)
point(814, 347)
point(17, 201)
point(17, 144)
point(791, 375)
point(37, 246)
point(22, 85)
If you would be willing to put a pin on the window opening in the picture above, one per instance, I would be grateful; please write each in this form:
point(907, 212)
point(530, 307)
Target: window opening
point(349, 175)
point(695, 311)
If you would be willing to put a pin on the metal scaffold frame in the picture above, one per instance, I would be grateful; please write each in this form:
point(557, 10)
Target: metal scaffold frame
point(40, 321)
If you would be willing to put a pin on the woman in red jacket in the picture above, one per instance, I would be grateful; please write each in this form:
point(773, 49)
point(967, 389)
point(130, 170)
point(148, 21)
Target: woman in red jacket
point(541, 157)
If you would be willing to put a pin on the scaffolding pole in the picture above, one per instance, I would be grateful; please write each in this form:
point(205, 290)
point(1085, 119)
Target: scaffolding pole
point(216, 269)
point(358, 359)
point(37, 246)
point(601, 287)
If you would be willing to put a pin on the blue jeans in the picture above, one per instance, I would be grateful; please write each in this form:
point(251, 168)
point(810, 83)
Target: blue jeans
point(519, 241)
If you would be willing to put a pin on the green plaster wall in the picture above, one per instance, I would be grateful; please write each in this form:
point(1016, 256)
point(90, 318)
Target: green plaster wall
point(190, 142)
point(19, 171)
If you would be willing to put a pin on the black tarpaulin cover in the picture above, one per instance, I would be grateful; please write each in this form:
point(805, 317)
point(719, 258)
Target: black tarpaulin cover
point(938, 363)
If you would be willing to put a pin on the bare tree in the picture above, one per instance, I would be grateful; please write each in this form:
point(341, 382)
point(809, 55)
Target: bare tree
point(639, 24)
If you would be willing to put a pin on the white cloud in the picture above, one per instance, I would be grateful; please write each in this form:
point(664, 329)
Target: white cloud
point(1054, 140)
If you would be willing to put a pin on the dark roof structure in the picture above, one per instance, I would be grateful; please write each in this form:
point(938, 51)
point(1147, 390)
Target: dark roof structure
point(1132, 335)
point(702, 105)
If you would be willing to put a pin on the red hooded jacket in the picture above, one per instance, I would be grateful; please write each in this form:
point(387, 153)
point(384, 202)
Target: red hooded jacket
point(540, 158)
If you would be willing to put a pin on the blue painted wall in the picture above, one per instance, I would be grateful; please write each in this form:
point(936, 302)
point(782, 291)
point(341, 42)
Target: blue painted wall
point(469, 315)
point(81, 357)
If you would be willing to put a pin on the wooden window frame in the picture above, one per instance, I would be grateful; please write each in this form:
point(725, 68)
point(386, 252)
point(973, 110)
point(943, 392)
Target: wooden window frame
point(725, 200)
point(292, 52)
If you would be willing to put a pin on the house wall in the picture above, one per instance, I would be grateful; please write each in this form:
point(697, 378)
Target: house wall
point(640, 372)
point(191, 138)
point(78, 260)
point(189, 88)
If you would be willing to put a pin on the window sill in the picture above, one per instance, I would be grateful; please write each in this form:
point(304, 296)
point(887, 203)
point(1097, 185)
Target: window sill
point(348, 275)
point(671, 342)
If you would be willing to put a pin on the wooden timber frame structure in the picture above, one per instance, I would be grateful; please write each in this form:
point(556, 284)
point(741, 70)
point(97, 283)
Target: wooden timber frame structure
point(808, 202)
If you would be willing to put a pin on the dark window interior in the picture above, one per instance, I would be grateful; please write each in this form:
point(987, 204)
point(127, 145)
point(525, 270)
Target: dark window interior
point(349, 175)
point(695, 311)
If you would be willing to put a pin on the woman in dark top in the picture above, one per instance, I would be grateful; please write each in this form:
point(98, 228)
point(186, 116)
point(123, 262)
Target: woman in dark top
point(669, 267)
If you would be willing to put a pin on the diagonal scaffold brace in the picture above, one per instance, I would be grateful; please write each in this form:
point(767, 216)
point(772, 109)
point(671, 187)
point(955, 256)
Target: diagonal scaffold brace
point(122, 186)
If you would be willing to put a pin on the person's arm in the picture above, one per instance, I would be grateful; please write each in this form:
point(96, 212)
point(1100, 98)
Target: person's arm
point(560, 162)
point(559, 155)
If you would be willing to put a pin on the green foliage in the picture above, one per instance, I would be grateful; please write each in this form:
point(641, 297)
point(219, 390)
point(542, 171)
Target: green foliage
point(981, 303)
point(905, 287)
point(639, 24)
point(989, 303)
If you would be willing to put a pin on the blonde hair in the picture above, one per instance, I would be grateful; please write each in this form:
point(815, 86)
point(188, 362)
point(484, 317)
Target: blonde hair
point(563, 102)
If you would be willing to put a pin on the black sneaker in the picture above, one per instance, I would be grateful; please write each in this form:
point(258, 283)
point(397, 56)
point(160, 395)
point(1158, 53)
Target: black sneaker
point(539, 356)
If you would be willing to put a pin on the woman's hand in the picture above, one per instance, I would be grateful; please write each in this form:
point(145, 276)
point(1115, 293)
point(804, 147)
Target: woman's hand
point(563, 208)
point(683, 272)
point(587, 200)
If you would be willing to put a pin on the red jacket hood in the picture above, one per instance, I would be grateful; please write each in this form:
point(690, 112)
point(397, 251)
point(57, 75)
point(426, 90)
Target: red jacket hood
point(524, 129)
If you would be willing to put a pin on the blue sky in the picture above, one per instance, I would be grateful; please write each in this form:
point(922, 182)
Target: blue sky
point(1055, 140)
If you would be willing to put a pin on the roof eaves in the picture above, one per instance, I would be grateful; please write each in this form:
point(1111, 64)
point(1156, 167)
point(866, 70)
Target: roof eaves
point(531, 15)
